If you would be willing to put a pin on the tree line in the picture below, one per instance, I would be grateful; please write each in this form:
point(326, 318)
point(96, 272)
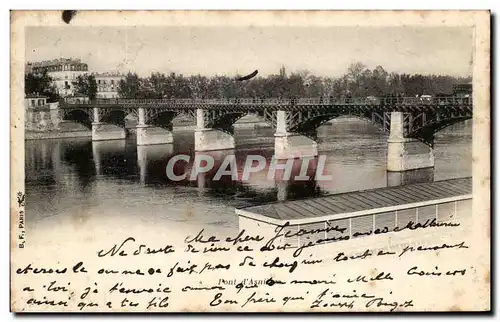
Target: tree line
point(358, 81)
point(43, 84)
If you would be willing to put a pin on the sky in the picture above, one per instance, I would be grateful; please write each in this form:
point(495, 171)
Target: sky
point(231, 51)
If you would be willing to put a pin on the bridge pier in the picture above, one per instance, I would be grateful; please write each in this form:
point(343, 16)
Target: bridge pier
point(209, 139)
point(54, 115)
point(148, 134)
point(410, 177)
point(291, 145)
point(404, 154)
point(293, 119)
point(151, 153)
point(104, 131)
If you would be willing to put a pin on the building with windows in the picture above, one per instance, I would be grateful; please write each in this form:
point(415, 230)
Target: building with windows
point(107, 84)
point(35, 101)
point(39, 114)
point(63, 72)
point(462, 90)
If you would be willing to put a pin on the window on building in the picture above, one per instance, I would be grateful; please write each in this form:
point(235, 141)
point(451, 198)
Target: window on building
point(112, 81)
point(99, 81)
point(32, 102)
point(40, 102)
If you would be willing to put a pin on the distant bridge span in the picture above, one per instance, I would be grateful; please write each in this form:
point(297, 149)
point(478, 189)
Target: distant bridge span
point(404, 117)
point(304, 115)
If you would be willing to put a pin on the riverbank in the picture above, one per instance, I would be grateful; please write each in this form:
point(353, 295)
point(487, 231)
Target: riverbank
point(29, 135)
point(56, 135)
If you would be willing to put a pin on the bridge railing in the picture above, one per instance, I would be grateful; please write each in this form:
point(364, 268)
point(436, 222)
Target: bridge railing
point(447, 100)
point(316, 101)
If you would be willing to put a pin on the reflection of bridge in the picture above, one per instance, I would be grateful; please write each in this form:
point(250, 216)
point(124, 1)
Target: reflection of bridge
point(152, 161)
point(52, 162)
point(408, 120)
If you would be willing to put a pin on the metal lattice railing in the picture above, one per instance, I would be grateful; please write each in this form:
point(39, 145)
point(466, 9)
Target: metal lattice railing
point(274, 102)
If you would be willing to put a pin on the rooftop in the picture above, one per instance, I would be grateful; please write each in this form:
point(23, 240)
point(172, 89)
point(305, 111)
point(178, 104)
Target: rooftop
point(57, 61)
point(35, 95)
point(108, 74)
point(338, 204)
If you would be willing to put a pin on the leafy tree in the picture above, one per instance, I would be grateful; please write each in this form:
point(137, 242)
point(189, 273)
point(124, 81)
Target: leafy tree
point(86, 85)
point(41, 84)
point(354, 74)
point(181, 88)
point(130, 87)
point(314, 86)
point(379, 81)
point(394, 84)
point(154, 86)
point(295, 86)
point(198, 85)
point(358, 81)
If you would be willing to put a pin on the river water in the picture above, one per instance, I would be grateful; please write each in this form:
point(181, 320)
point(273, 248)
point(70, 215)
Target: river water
point(76, 180)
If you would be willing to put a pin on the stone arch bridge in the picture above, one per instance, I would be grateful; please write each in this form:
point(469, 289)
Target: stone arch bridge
point(411, 122)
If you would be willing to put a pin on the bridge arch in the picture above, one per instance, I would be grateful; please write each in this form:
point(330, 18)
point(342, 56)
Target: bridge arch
point(307, 125)
point(425, 132)
point(165, 118)
point(80, 116)
point(420, 126)
point(115, 117)
point(225, 121)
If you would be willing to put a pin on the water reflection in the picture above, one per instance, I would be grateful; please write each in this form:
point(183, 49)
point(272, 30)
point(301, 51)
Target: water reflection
point(152, 160)
point(41, 161)
point(78, 156)
point(269, 184)
point(112, 158)
point(63, 174)
point(300, 183)
point(227, 177)
point(409, 177)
